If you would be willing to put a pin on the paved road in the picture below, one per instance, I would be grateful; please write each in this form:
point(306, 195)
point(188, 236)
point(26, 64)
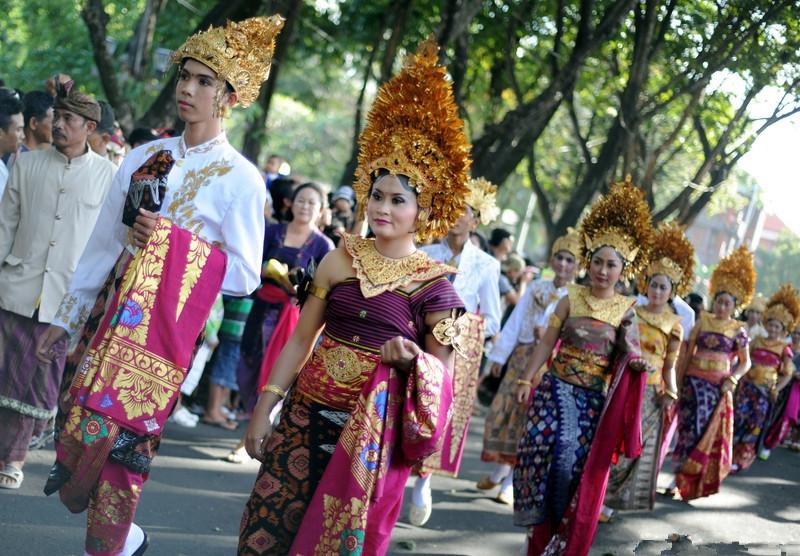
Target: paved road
point(193, 501)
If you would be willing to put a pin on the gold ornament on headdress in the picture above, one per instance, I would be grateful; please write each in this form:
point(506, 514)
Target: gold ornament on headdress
point(482, 197)
point(570, 242)
point(240, 53)
point(413, 129)
point(621, 220)
point(759, 303)
point(672, 256)
point(784, 306)
point(736, 275)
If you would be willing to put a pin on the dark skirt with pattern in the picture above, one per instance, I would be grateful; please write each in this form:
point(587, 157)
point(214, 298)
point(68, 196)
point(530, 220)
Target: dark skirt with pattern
point(506, 419)
point(297, 453)
point(632, 482)
point(751, 411)
point(561, 423)
point(699, 398)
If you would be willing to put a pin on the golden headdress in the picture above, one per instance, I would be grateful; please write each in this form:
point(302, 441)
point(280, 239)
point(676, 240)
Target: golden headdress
point(758, 303)
point(736, 275)
point(240, 53)
point(621, 219)
point(570, 242)
point(672, 256)
point(784, 306)
point(414, 130)
point(482, 197)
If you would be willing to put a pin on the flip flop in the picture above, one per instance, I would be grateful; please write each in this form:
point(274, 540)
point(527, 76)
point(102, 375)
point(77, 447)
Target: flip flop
point(14, 475)
point(225, 425)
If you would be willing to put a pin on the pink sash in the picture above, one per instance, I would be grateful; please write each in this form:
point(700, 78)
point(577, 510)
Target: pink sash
point(787, 419)
point(397, 421)
point(287, 321)
point(619, 430)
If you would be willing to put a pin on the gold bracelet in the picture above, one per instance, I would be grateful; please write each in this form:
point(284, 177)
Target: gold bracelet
point(277, 390)
point(733, 379)
point(521, 382)
point(671, 394)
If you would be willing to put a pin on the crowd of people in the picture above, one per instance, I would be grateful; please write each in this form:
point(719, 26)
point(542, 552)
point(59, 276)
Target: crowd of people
point(165, 277)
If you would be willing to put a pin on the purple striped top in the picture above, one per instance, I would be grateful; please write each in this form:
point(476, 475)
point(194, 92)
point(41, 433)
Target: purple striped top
point(369, 323)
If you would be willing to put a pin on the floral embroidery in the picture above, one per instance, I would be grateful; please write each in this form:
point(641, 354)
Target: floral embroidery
point(343, 528)
point(93, 427)
point(195, 260)
point(182, 207)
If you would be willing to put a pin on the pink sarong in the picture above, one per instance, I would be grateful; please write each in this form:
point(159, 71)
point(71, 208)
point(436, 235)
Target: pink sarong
point(397, 421)
point(287, 321)
point(787, 419)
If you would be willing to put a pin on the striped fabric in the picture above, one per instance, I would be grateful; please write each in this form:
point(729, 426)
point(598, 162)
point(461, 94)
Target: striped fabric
point(236, 311)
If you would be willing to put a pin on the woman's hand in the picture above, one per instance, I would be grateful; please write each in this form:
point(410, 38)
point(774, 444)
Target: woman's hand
point(400, 353)
point(640, 365)
point(496, 369)
point(143, 227)
point(523, 394)
point(727, 386)
point(259, 429)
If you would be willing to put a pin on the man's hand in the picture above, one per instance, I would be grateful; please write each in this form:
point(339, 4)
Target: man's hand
point(44, 346)
point(143, 226)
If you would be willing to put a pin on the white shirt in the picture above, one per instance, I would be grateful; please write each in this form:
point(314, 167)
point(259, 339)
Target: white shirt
point(212, 190)
point(46, 217)
point(3, 178)
point(533, 310)
point(684, 311)
point(476, 281)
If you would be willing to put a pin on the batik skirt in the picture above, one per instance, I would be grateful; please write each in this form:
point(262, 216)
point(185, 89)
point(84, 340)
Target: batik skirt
point(752, 409)
point(561, 424)
point(699, 399)
point(507, 418)
point(632, 482)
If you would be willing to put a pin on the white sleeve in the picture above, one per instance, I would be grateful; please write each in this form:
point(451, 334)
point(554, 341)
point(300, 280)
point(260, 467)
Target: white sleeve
point(489, 299)
point(544, 318)
point(243, 238)
point(509, 336)
point(687, 315)
point(104, 247)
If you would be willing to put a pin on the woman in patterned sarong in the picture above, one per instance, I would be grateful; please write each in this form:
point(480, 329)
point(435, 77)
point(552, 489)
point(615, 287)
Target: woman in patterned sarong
point(782, 426)
point(705, 410)
point(770, 373)
point(372, 398)
point(583, 404)
point(632, 483)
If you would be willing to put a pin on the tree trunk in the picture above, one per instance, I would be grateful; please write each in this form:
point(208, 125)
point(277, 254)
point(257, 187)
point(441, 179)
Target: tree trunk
point(142, 41)
point(256, 128)
point(96, 19)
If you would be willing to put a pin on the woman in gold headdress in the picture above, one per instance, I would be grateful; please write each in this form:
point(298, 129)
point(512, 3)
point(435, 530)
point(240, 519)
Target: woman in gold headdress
point(771, 372)
point(578, 415)
point(632, 483)
point(372, 398)
point(703, 451)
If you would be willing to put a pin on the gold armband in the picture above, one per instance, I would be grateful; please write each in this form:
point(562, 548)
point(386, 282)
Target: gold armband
point(554, 322)
point(275, 389)
point(318, 292)
point(521, 382)
point(671, 394)
point(733, 379)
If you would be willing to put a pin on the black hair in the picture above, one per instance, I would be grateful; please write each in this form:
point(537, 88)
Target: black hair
point(484, 245)
point(10, 105)
point(37, 103)
point(498, 235)
point(404, 181)
point(307, 185)
point(141, 135)
point(280, 189)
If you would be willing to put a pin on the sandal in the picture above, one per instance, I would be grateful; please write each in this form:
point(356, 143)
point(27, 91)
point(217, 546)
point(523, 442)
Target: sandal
point(224, 424)
point(11, 477)
point(238, 455)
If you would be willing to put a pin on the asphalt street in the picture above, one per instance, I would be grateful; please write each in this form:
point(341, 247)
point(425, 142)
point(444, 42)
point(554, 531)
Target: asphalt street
point(192, 504)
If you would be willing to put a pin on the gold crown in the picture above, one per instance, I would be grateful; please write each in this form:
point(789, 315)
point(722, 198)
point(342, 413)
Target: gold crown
point(736, 275)
point(621, 220)
point(482, 197)
point(672, 256)
point(240, 53)
point(784, 306)
point(570, 242)
point(759, 303)
point(413, 129)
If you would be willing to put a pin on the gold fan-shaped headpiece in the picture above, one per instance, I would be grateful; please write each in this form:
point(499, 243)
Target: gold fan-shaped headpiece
point(672, 256)
point(482, 197)
point(240, 53)
point(784, 306)
point(758, 303)
point(570, 242)
point(413, 129)
point(621, 220)
point(736, 275)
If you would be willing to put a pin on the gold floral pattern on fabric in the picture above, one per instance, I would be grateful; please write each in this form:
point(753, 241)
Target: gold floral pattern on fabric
point(195, 260)
point(140, 284)
point(377, 273)
point(778, 347)
point(343, 365)
point(142, 380)
point(726, 327)
point(657, 331)
point(420, 423)
point(345, 523)
point(182, 207)
point(362, 439)
point(583, 304)
point(666, 321)
point(118, 505)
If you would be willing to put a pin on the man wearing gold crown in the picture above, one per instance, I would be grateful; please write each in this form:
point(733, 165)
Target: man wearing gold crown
point(506, 418)
point(183, 220)
point(477, 285)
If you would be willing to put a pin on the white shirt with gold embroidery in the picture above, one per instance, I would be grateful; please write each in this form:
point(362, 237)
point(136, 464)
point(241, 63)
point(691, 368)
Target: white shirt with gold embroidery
point(212, 190)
